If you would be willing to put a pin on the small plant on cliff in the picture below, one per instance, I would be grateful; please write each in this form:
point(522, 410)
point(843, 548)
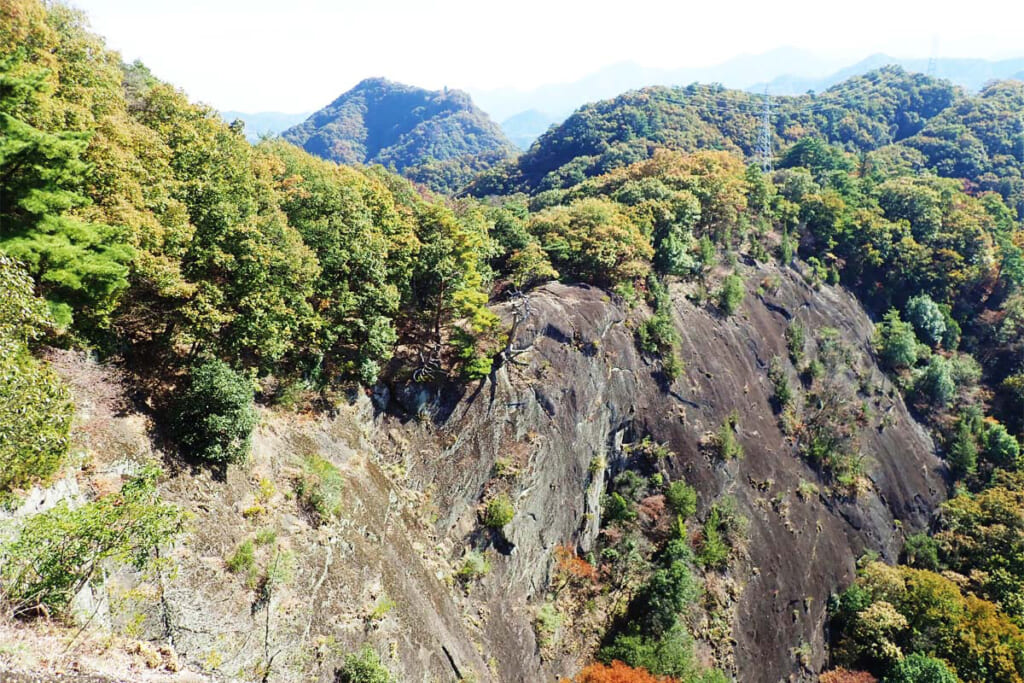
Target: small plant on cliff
point(213, 417)
point(782, 392)
point(726, 442)
point(730, 296)
point(243, 559)
point(547, 623)
point(319, 488)
point(474, 566)
point(714, 553)
point(682, 499)
point(498, 512)
point(363, 667)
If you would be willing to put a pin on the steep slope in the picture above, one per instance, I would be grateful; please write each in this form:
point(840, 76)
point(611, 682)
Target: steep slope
point(567, 422)
point(552, 431)
point(382, 122)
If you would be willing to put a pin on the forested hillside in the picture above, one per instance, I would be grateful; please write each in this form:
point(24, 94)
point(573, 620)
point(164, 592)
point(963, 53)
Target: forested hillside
point(899, 118)
point(437, 138)
point(252, 294)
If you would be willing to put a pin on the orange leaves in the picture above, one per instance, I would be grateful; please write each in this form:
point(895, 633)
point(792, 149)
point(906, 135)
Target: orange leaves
point(619, 673)
point(842, 675)
point(575, 569)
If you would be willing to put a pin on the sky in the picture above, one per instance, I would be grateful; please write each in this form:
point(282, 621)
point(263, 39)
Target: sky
point(262, 55)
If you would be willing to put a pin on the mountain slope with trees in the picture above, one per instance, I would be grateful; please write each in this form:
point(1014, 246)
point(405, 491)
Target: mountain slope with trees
point(606, 417)
point(903, 117)
point(437, 137)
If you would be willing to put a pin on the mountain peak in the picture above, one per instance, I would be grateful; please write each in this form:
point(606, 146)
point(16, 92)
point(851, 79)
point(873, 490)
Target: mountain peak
point(382, 121)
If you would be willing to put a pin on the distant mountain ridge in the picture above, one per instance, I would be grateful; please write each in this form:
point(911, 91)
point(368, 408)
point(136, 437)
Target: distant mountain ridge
point(924, 122)
point(383, 122)
point(971, 74)
point(525, 127)
point(784, 71)
point(258, 124)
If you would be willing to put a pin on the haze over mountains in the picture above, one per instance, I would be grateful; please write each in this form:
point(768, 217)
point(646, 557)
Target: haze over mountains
point(525, 114)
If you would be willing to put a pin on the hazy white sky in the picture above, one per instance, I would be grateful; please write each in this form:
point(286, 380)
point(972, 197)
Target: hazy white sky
point(297, 55)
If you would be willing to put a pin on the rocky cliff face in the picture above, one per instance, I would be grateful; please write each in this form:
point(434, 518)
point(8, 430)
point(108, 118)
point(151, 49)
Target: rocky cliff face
point(550, 430)
point(586, 391)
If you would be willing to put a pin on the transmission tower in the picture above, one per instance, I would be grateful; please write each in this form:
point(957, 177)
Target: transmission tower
point(933, 59)
point(764, 138)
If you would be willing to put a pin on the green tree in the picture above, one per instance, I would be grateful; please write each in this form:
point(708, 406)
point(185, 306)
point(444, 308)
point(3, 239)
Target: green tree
point(963, 452)
point(78, 264)
point(895, 341)
point(927, 318)
point(213, 415)
point(730, 296)
point(363, 667)
point(59, 552)
point(682, 499)
point(35, 407)
point(714, 553)
point(593, 240)
point(918, 668)
point(936, 382)
point(448, 281)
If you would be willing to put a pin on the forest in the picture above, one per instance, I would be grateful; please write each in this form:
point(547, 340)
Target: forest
point(222, 276)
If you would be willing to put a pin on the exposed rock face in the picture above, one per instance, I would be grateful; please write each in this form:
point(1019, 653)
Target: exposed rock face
point(418, 462)
point(587, 389)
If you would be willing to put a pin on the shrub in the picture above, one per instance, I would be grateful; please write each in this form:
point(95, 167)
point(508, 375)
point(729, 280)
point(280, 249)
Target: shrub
point(714, 553)
point(669, 655)
point(796, 339)
point(727, 444)
point(935, 384)
point(618, 509)
point(927, 318)
point(474, 566)
point(498, 512)
point(998, 446)
point(682, 499)
point(243, 559)
point(319, 488)
point(730, 296)
point(58, 552)
point(922, 551)
point(35, 419)
point(616, 672)
point(213, 417)
point(918, 668)
point(363, 667)
point(895, 341)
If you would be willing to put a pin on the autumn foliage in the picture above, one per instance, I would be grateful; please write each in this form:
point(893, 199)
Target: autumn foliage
point(574, 569)
point(842, 675)
point(617, 673)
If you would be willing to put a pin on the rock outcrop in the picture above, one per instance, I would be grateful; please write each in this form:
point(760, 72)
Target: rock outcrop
point(416, 462)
